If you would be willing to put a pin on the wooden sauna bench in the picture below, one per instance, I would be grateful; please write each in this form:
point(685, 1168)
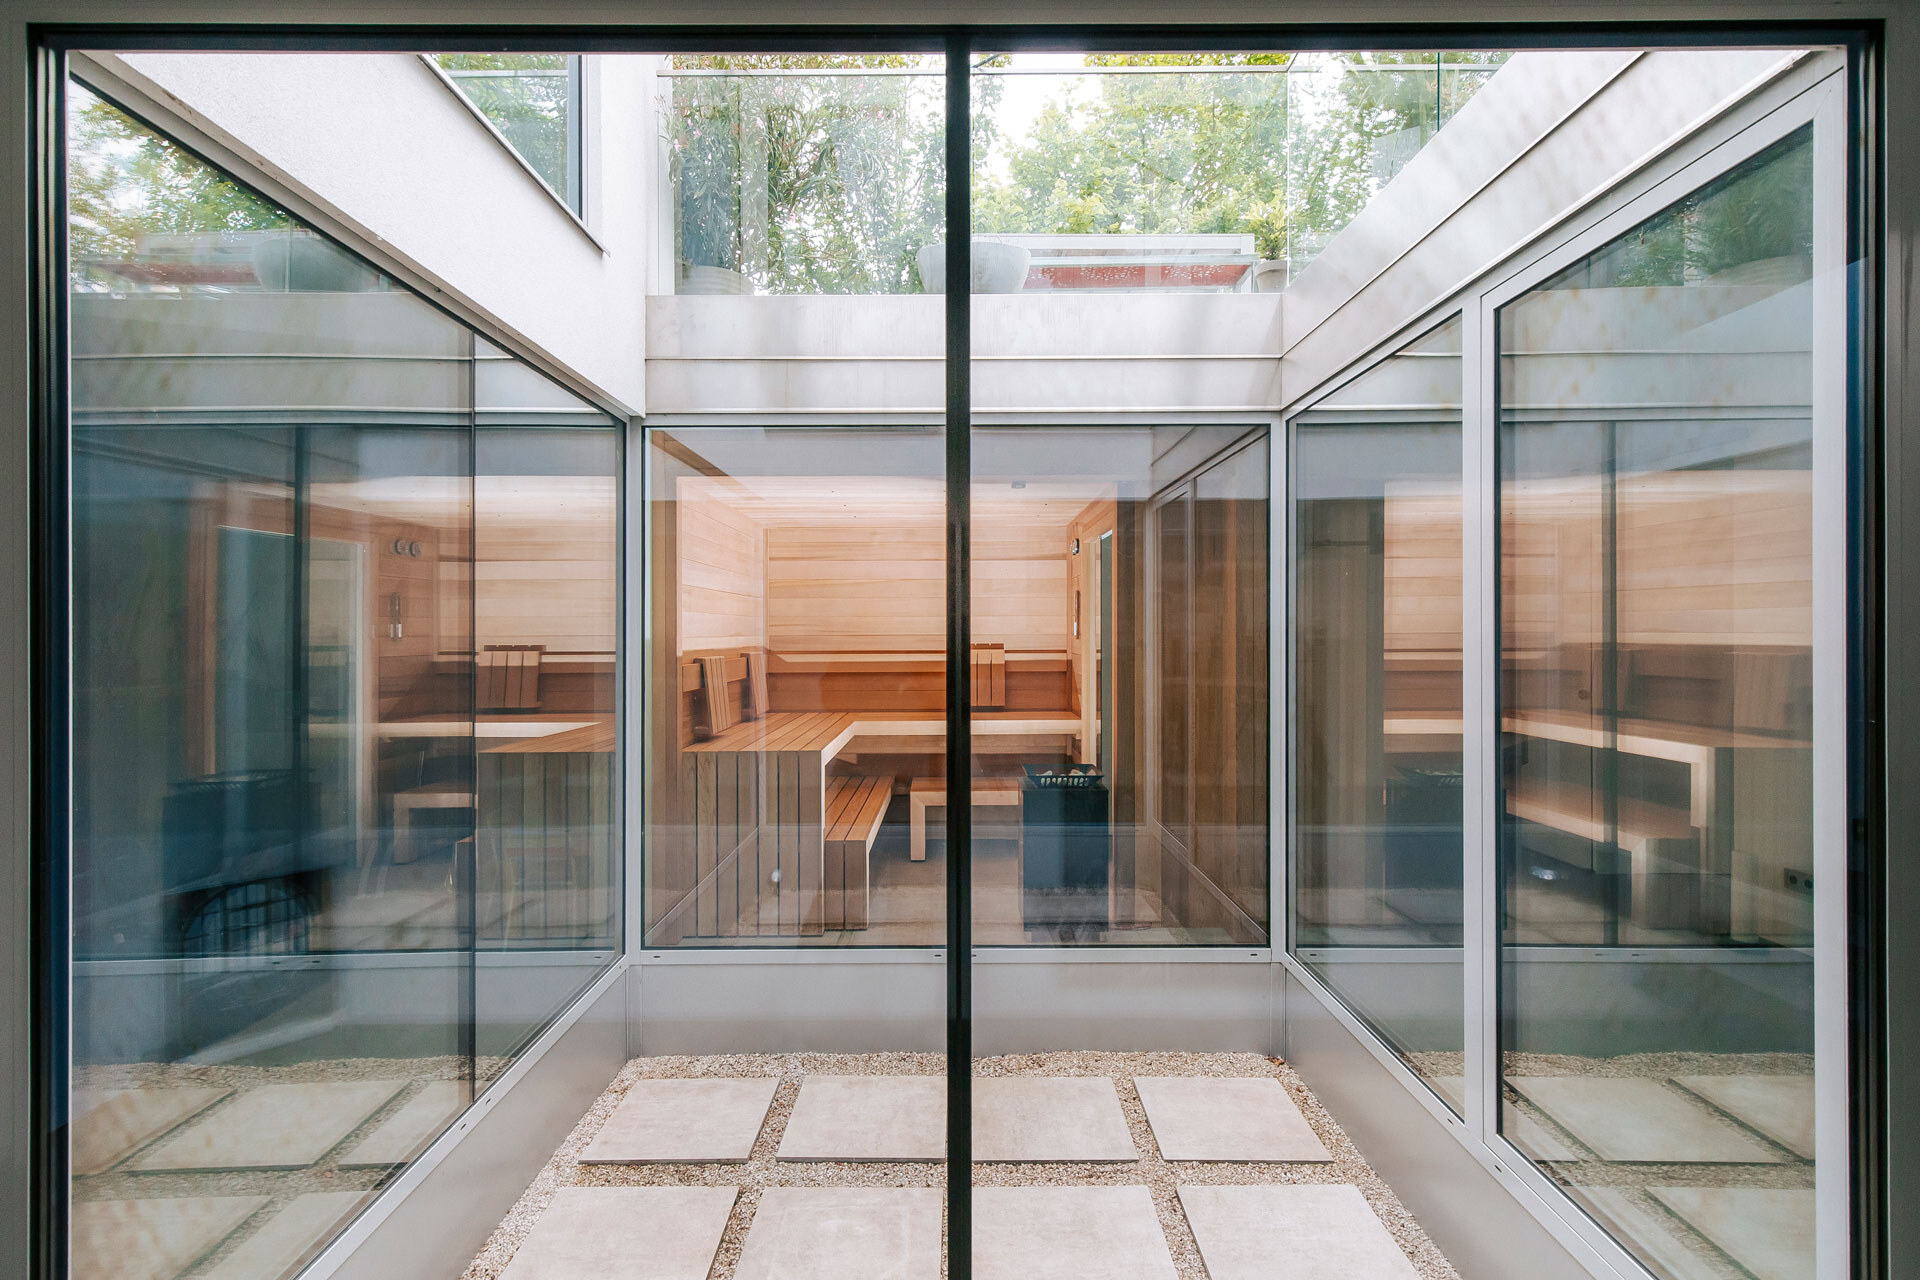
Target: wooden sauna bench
point(762, 802)
point(545, 822)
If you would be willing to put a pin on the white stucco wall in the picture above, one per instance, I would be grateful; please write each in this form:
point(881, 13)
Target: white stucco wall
point(403, 168)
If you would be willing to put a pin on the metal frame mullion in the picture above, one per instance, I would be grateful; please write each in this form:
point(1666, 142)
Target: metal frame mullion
point(1480, 740)
point(959, 451)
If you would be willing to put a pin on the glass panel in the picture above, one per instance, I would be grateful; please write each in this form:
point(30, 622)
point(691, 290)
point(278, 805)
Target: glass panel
point(1377, 798)
point(797, 691)
point(545, 616)
point(273, 533)
point(805, 174)
point(534, 100)
point(1134, 172)
point(1120, 617)
point(271, 507)
point(1656, 993)
point(1197, 173)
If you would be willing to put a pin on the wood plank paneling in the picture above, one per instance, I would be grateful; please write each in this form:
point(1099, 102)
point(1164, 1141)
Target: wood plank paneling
point(545, 555)
point(840, 589)
point(721, 571)
point(545, 872)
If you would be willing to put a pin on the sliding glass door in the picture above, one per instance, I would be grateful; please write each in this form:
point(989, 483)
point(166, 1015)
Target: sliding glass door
point(1208, 586)
point(345, 817)
point(1660, 716)
point(1557, 580)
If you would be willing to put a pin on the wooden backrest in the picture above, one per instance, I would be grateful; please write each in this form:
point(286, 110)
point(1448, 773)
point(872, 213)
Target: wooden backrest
point(507, 677)
point(989, 676)
point(720, 688)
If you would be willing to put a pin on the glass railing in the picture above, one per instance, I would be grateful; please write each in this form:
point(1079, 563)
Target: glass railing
point(1143, 173)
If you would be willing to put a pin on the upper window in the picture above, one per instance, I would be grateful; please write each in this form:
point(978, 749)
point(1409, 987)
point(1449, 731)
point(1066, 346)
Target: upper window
point(533, 99)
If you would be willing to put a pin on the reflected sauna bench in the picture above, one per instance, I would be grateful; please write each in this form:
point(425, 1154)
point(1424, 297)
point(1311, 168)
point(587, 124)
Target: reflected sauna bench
point(1665, 843)
point(545, 827)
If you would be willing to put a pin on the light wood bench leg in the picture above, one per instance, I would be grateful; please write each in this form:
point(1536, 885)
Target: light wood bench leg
point(917, 827)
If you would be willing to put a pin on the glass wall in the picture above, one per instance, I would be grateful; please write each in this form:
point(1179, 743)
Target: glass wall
point(546, 599)
point(1376, 760)
point(304, 636)
point(1120, 719)
point(1211, 173)
point(1656, 994)
point(796, 686)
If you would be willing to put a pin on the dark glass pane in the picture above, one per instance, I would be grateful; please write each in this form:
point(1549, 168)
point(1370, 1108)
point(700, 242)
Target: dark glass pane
point(1377, 767)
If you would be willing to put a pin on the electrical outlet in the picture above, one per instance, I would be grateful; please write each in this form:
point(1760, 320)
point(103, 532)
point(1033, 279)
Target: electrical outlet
point(1799, 881)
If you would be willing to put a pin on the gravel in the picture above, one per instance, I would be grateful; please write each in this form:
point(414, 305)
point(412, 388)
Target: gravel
point(761, 1171)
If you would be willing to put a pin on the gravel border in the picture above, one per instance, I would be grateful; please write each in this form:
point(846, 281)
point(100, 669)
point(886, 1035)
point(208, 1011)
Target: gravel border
point(761, 1171)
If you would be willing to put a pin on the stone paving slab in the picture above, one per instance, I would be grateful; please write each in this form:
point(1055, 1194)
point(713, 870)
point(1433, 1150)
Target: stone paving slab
point(625, 1233)
point(1049, 1119)
point(684, 1122)
point(1043, 1233)
point(868, 1118)
point(839, 1233)
point(277, 1126)
point(1779, 1106)
point(418, 1121)
point(1319, 1231)
point(1767, 1231)
point(1227, 1119)
point(284, 1240)
point(111, 1124)
point(152, 1239)
point(1635, 1119)
point(1654, 1231)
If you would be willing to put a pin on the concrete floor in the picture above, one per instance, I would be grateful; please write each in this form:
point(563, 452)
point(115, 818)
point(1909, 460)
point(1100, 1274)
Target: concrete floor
point(1083, 1186)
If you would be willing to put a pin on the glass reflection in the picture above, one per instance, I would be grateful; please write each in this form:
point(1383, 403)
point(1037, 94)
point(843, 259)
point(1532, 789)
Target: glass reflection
point(274, 786)
point(1656, 693)
point(534, 100)
point(805, 174)
point(1377, 701)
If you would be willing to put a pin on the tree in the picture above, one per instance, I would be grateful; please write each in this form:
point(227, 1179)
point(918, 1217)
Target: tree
point(1759, 212)
point(124, 182)
point(808, 183)
point(1182, 152)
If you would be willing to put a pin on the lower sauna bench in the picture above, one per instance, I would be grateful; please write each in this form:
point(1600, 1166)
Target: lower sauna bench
point(855, 809)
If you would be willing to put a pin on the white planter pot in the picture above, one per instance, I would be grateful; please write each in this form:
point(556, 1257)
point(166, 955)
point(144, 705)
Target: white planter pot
point(714, 280)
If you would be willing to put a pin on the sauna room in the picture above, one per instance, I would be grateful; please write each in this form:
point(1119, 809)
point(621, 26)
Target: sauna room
point(1119, 675)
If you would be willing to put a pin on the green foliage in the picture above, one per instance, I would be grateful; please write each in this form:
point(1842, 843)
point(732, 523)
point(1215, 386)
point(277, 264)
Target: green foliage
point(1151, 154)
point(125, 181)
point(808, 183)
point(830, 183)
point(529, 109)
point(1761, 211)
